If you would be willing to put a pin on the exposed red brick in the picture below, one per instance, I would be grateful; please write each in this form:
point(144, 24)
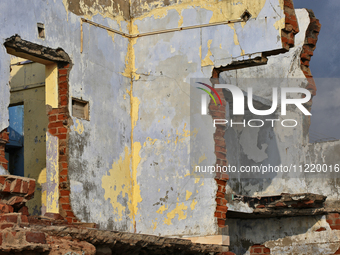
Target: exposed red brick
point(62, 136)
point(218, 214)
point(63, 179)
point(220, 222)
point(221, 208)
point(62, 92)
point(24, 219)
point(55, 124)
point(24, 210)
point(333, 216)
point(2, 180)
point(7, 186)
point(61, 117)
point(63, 100)
point(4, 208)
point(9, 218)
point(69, 213)
point(280, 204)
point(24, 188)
point(63, 172)
point(6, 225)
point(31, 188)
point(307, 51)
point(335, 227)
point(266, 250)
point(16, 186)
point(55, 216)
point(62, 130)
point(221, 149)
point(35, 237)
point(62, 72)
point(62, 78)
point(220, 143)
point(66, 206)
point(64, 193)
point(52, 131)
point(52, 118)
point(320, 229)
point(64, 200)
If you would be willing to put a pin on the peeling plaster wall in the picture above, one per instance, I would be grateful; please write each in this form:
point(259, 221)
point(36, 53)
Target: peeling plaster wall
point(279, 145)
point(292, 235)
point(129, 166)
point(173, 201)
point(95, 76)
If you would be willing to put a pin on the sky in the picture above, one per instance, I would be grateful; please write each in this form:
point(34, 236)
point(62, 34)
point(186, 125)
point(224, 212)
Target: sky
point(325, 67)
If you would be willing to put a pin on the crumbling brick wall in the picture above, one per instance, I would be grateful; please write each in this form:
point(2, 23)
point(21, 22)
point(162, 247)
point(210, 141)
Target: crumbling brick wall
point(291, 25)
point(309, 46)
point(59, 126)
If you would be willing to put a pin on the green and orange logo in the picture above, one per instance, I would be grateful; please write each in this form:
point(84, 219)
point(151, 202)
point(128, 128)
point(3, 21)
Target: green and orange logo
point(208, 92)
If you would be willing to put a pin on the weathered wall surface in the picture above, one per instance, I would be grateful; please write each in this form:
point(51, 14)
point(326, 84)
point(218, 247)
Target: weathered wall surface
point(129, 166)
point(279, 145)
point(96, 77)
point(275, 146)
point(120, 9)
point(180, 204)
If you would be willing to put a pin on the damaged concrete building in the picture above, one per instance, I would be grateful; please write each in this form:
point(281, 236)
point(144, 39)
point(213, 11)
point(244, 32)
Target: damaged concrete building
point(98, 144)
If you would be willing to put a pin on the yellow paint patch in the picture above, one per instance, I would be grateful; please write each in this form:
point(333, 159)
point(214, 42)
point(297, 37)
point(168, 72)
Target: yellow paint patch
point(180, 22)
point(51, 85)
point(201, 159)
point(236, 42)
point(130, 64)
point(188, 195)
point(280, 24)
point(193, 204)
point(136, 197)
point(121, 181)
point(221, 10)
point(152, 141)
point(179, 210)
point(154, 225)
point(207, 61)
point(162, 209)
point(112, 35)
point(118, 182)
point(96, 8)
point(79, 127)
point(42, 177)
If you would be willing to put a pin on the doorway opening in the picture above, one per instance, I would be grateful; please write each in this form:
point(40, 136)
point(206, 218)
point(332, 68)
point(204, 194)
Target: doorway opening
point(36, 139)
